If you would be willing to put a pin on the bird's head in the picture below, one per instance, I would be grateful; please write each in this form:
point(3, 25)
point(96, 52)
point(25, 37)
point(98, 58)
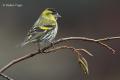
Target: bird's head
point(51, 13)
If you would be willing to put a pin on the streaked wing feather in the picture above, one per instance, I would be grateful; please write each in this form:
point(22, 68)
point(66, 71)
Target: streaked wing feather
point(37, 31)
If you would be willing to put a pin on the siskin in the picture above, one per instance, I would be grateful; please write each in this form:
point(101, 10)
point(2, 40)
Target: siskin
point(44, 29)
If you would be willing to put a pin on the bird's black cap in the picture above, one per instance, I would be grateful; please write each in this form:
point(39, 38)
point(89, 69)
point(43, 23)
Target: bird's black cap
point(53, 10)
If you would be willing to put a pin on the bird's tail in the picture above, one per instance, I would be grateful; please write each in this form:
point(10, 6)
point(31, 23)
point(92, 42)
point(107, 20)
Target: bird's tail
point(24, 43)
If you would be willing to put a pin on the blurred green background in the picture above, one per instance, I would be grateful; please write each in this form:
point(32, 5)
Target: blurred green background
point(85, 18)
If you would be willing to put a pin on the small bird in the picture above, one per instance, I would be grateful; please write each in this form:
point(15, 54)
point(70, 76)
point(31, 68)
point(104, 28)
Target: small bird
point(44, 29)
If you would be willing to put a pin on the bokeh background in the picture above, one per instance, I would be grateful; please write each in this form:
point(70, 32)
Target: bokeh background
point(85, 18)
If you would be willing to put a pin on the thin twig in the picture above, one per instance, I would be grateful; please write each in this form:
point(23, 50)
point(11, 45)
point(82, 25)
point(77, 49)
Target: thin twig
point(63, 47)
point(108, 38)
point(86, 51)
point(110, 48)
point(81, 59)
point(6, 77)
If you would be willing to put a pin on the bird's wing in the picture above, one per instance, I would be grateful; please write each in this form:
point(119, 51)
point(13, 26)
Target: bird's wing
point(41, 29)
point(41, 25)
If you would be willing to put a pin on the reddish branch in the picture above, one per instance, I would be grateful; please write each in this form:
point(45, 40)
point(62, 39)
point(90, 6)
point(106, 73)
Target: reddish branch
point(48, 49)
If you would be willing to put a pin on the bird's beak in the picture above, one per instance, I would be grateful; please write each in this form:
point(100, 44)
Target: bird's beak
point(57, 15)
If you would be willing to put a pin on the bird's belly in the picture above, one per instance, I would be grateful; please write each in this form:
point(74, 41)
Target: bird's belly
point(50, 36)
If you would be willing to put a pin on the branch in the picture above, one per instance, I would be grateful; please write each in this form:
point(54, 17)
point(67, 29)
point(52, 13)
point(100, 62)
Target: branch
point(18, 60)
point(110, 48)
point(81, 59)
point(99, 41)
point(70, 39)
point(108, 38)
point(42, 51)
point(68, 47)
point(6, 77)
